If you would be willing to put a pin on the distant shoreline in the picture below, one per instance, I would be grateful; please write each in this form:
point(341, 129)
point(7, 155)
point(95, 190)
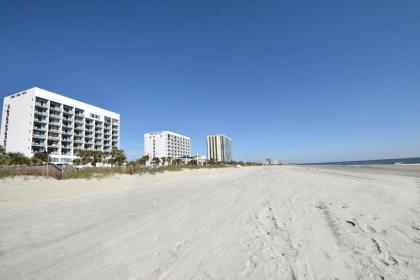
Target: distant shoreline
point(391, 161)
point(412, 170)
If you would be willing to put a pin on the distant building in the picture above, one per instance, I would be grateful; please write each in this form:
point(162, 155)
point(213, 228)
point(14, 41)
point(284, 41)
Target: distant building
point(270, 161)
point(200, 160)
point(36, 120)
point(166, 144)
point(219, 147)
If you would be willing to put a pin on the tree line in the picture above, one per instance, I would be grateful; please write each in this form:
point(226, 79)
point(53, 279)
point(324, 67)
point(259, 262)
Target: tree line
point(21, 159)
point(116, 157)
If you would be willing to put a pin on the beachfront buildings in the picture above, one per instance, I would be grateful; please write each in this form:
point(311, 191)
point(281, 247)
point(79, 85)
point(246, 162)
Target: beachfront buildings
point(219, 147)
point(166, 144)
point(36, 120)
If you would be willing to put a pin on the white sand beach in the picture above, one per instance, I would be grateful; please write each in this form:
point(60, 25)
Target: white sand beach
point(286, 222)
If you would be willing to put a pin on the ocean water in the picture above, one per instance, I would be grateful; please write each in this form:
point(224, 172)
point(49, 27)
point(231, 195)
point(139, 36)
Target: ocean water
point(414, 160)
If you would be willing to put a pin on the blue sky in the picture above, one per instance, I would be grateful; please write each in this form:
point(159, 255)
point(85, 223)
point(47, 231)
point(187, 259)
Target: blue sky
point(301, 81)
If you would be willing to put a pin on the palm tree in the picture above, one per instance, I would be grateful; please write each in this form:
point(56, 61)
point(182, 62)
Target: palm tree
point(40, 157)
point(117, 156)
point(163, 160)
point(177, 161)
point(84, 155)
point(3, 155)
point(18, 158)
point(98, 157)
point(143, 160)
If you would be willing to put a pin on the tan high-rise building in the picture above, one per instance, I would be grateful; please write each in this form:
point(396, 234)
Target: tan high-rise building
point(219, 147)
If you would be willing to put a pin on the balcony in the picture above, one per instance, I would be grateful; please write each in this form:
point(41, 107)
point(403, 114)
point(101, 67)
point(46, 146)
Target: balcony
point(53, 129)
point(41, 104)
point(78, 140)
point(38, 144)
point(68, 112)
point(40, 128)
point(55, 108)
point(39, 120)
point(55, 122)
point(68, 140)
point(40, 113)
point(67, 132)
point(53, 144)
point(53, 137)
point(54, 114)
point(55, 153)
point(38, 149)
point(39, 136)
point(68, 126)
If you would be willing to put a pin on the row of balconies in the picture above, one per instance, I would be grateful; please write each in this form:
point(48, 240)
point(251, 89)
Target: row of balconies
point(69, 111)
point(56, 135)
point(56, 120)
point(53, 141)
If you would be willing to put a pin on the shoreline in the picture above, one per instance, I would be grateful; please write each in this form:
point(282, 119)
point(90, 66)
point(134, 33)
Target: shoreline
point(412, 170)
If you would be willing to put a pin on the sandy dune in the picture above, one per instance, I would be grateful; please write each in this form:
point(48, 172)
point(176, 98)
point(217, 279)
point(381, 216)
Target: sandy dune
point(247, 223)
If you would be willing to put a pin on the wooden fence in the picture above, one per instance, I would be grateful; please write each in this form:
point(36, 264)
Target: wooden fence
point(44, 170)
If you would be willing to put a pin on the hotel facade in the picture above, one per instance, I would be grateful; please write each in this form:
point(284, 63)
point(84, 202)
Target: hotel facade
point(166, 144)
point(36, 120)
point(219, 147)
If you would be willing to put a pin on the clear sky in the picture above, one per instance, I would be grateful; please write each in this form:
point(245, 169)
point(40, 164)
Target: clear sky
point(300, 81)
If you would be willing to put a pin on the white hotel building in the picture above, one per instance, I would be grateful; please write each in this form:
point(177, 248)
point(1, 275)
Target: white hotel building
point(166, 144)
point(36, 120)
